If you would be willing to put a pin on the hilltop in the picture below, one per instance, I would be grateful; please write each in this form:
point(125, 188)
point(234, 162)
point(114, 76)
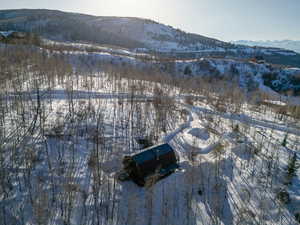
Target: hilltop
point(142, 35)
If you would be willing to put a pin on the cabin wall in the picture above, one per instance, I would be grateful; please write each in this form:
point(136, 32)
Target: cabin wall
point(136, 175)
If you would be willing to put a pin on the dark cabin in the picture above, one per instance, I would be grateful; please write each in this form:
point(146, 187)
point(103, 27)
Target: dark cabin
point(12, 35)
point(4, 35)
point(157, 161)
point(260, 59)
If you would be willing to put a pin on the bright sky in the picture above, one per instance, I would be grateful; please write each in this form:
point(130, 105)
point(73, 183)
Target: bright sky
point(222, 19)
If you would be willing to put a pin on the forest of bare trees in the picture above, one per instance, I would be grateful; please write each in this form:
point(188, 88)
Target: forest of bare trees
point(65, 129)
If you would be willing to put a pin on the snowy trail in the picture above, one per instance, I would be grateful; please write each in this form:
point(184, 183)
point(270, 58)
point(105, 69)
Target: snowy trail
point(63, 95)
point(246, 119)
point(180, 129)
point(194, 122)
point(199, 144)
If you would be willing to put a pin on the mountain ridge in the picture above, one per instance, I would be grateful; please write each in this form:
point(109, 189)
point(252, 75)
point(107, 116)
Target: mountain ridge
point(138, 34)
point(37, 19)
point(293, 45)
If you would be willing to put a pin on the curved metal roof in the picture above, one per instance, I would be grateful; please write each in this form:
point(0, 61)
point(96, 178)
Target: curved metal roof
point(152, 152)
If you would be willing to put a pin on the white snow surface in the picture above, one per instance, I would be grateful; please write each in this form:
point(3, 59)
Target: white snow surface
point(233, 185)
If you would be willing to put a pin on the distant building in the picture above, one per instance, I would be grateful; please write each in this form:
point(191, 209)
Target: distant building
point(17, 37)
point(5, 34)
point(258, 59)
point(12, 34)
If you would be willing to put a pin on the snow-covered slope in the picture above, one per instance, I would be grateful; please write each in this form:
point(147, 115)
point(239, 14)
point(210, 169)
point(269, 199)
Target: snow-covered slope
point(143, 35)
point(249, 74)
point(286, 44)
point(122, 31)
point(130, 32)
point(155, 35)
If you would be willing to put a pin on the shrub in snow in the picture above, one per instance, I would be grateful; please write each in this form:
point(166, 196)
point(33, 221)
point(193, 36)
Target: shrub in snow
point(297, 216)
point(291, 169)
point(283, 196)
point(236, 128)
point(200, 192)
point(189, 100)
point(284, 141)
point(145, 142)
point(187, 71)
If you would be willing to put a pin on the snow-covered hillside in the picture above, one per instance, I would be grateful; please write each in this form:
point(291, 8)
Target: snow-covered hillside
point(249, 74)
point(143, 35)
point(65, 129)
point(138, 31)
point(285, 44)
point(156, 36)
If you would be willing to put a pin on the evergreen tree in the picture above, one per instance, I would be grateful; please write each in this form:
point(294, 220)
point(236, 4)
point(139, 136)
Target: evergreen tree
point(284, 142)
point(292, 168)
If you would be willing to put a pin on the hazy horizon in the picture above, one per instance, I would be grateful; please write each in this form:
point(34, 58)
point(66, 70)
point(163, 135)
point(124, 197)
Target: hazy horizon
point(231, 20)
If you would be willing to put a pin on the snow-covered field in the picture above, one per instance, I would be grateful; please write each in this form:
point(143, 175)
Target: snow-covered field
point(63, 139)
